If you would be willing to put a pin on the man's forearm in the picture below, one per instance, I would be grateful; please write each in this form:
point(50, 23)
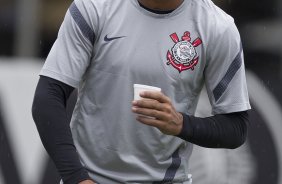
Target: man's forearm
point(219, 131)
point(49, 114)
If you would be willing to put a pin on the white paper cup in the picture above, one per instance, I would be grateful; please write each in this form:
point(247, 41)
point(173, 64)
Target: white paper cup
point(138, 88)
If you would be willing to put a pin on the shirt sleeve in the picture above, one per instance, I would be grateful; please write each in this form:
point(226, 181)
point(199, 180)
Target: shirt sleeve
point(50, 116)
point(225, 78)
point(72, 51)
point(219, 131)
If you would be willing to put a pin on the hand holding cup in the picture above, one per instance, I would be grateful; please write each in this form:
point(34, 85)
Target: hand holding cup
point(155, 109)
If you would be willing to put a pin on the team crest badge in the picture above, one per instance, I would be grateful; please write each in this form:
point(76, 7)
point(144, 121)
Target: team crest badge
point(183, 55)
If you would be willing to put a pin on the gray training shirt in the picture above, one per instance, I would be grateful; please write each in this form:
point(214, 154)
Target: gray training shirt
point(106, 46)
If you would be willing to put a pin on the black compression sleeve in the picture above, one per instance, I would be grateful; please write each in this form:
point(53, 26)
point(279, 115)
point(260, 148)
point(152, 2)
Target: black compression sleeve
point(219, 131)
point(49, 114)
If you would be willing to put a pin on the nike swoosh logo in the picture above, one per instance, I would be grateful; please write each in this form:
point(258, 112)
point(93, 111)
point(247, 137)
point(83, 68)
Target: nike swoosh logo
point(107, 39)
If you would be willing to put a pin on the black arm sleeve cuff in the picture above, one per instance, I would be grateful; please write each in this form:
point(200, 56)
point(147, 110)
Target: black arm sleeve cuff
point(49, 114)
point(187, 129)
point(219, 131)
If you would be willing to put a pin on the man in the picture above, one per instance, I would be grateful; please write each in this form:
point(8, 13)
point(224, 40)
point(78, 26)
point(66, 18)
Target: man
point(106, 46)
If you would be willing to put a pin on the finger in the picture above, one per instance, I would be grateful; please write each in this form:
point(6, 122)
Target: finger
point(169, 128)
point(149, 104)
point(151, 112)
point(155, 95)
point(150, 122)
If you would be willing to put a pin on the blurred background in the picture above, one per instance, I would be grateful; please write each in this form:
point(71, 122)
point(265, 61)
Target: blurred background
point(28, 29)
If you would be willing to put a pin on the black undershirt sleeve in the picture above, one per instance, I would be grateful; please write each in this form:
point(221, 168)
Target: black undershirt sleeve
point(49, 114)
point(219, 131)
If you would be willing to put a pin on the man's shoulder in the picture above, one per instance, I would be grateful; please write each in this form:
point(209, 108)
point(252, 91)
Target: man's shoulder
point(211, 17)
point(99, 8)
point(212, 12)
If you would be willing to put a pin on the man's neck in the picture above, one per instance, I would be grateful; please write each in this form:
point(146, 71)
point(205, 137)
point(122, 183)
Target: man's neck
point(161, 5)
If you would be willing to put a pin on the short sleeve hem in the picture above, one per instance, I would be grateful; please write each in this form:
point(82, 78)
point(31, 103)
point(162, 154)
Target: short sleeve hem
point(231, 108)
point(60, 77)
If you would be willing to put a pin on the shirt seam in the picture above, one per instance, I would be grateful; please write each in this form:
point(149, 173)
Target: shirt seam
point(221, 107)
point(69, 79)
